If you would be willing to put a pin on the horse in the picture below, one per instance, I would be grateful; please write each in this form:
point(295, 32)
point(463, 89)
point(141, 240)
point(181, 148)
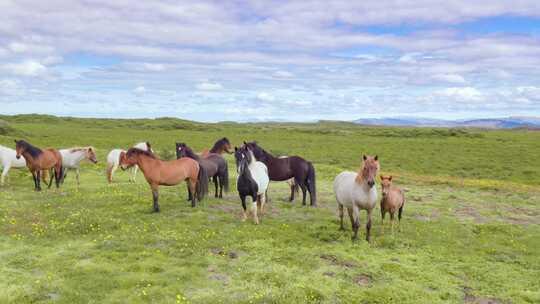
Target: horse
point(357, 191)
point(252, 180)
point(393, 199)
point(113, 161)
point(38, 160)
point(215, 165)
point(168, 173)
point(222, 145)
point(8, 160)
point(72, 157)
point(284, 168)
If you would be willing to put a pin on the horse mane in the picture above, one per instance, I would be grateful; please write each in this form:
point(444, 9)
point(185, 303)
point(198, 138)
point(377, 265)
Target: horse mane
point(360, 176)
point(33, 151)
point(219, 143)
point(77, 149)
point(138, 151)
point(189, 151)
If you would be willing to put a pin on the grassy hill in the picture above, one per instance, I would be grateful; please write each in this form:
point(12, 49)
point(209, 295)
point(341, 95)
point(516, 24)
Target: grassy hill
point(469, 234)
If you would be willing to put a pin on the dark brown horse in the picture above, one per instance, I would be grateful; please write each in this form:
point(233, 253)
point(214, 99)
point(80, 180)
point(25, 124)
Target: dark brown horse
point(282, 169)
point(168, 173)
point(221, 146)
point(38, 160)
point(214, 164)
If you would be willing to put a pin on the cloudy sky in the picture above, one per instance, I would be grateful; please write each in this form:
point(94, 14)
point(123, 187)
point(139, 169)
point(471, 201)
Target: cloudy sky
point(270, 60)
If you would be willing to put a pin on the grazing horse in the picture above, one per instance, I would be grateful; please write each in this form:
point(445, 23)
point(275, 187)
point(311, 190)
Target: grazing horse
point(38, 160)
point(113, 161)
point(8, 160)
point(357, 191)
point(393, 199)
point(222, 145)
point(168, 173)
point(284, 168)
point(72, 157)
point(215, 165)
point(252, 181)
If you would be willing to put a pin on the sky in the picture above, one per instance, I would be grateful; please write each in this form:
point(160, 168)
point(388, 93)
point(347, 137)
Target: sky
point(270, 60)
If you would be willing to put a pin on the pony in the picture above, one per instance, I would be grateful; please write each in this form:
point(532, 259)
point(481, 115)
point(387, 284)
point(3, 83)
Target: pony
point(72, 157)
point(252, 181)
point(8, 160)
point(168, 173)
point(222, 145)
point(356, 191)
point(38, 160)
point(215, 165)
point(393, 199)
point(284, 168)
point(113, 161)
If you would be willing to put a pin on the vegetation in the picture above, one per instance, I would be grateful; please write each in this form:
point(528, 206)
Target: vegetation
point(469, 234)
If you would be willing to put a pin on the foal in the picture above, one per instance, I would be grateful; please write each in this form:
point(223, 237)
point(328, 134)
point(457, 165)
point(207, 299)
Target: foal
point(215, 165)
point(393, 199)
point(38, 160)
point(168, 173)
point(357, 191)
point(71, 159)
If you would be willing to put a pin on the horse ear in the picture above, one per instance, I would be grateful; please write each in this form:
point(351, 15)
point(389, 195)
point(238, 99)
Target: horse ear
point(16, 140)
point(364, 157)
point(235, 148)
point(376, 157)
point(381, 176)
point(245, 143)
point(90, 149)
point(390, 178)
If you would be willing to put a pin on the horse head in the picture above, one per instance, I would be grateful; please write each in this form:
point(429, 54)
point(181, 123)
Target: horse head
point(91, 155)
point(370, 168)
point(386, 183)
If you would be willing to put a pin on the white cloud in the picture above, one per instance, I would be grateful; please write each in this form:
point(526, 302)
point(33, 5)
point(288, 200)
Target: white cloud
point(29, 68)
point(451, 78)
point(283, 74)
point(264, 96)
point(139, 91)
point(209, 86)
point(9, 87)
point(464, 94)
point(154, 67)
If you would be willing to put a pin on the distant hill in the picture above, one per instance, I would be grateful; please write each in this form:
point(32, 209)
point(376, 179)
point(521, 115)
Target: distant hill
point(490, 123)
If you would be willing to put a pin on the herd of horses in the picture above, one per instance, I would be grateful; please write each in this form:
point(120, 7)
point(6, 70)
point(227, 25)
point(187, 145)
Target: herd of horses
point(255, 166)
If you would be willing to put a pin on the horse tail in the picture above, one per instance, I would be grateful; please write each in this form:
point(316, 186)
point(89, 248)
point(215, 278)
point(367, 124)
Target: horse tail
point(311, 184)
point(225, 177)
point(202, 183)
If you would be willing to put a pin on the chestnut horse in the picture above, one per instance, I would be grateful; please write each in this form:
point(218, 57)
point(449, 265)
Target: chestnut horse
point(214, 164)
point(283, 168)
point(168, 173)
point(38, 160)
point(222, 145)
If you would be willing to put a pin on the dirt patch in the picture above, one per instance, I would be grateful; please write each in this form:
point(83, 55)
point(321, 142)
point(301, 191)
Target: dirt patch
point(362, 280)
point(329, 274)
point(469, 298)
point(470, 213)
point(435, 214)
point(221, 252)
point(226, 208)
point(220, 277)
point(332, 259)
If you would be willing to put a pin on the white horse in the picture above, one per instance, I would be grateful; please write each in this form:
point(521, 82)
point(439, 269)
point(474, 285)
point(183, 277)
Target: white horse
point(357, 191)
point(113, 161)
point(252, 181)
point(71, 158)
point(8, 160)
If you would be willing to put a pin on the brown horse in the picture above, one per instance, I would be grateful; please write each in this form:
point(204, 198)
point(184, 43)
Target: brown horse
point(168, 173)
point(284, 168)
point(393, 199)
point(38, 160)
point(221, 146)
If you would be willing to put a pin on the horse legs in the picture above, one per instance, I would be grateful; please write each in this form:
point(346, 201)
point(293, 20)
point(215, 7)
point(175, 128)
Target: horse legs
point(221, 181)
point(304, 190)
point(392, 221)
point(368, 225)
point(263, 203)
point(340, 209)
point(293, 189)
point(215, 180)
point(35, 181)
point(77, 174)
point(59, 176)
point(192, 189)
point(355, 221)
point(400, 211)
point(52, 174)
point(4, 173)
point(155, 196)
point(254, 204)
point(244, 207)
point(190, 194)
point(38, 179)
point(134, 173)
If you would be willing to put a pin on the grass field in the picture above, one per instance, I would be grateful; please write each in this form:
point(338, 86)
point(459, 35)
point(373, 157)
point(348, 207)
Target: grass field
point(470, 232)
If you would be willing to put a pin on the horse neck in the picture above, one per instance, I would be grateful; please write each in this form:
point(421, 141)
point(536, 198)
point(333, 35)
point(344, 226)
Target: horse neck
point(79, 155)
point(265, 156)
point(191, 154)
